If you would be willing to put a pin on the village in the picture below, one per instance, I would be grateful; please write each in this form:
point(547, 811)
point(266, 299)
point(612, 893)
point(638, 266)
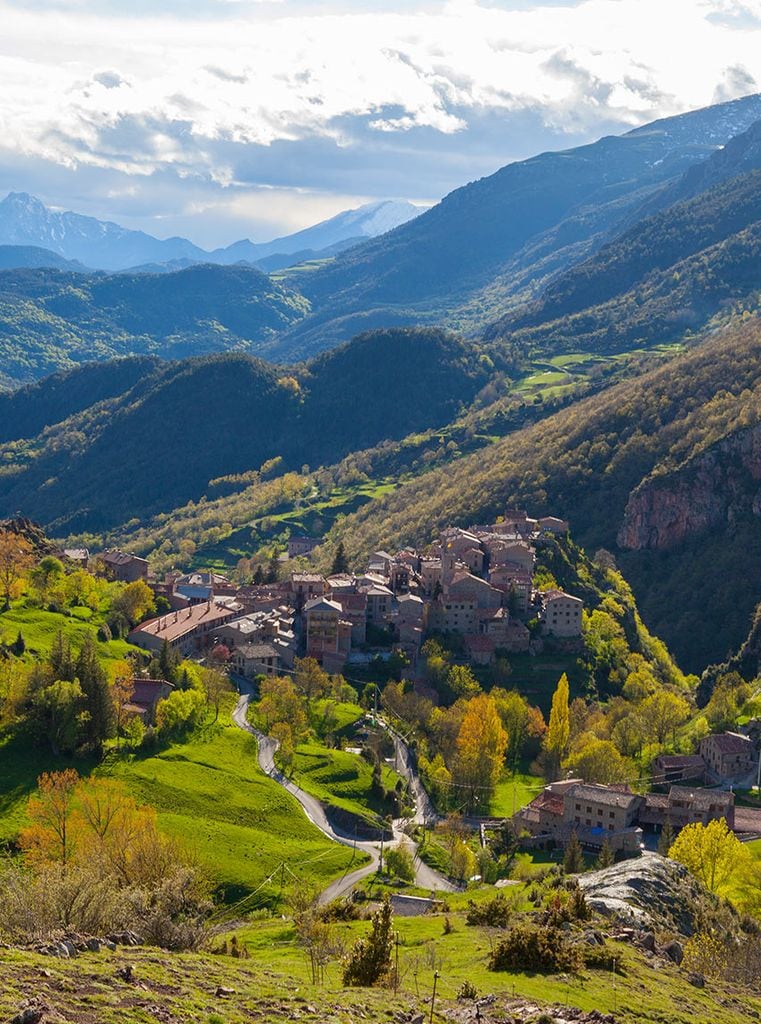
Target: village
point(475, 585)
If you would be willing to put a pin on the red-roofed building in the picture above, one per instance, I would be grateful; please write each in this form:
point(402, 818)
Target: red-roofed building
point(146, 694)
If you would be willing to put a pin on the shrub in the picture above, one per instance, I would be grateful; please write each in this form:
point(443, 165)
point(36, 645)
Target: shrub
point(601, 959)
point(369, 960)
point(341, 910)
point(528, 947)
point(467, 991)
point(399, 863)
point(495, 913)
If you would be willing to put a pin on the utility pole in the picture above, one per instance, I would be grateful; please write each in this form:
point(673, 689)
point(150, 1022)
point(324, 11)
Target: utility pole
point(433, 995)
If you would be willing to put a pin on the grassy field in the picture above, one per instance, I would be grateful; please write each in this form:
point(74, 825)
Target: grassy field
point(514, 792)
point(39, 628)
point(461, 955)
point(211, 795)
point(340, 779)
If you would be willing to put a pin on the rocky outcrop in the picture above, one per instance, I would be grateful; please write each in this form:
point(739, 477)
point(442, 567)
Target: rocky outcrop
point(707, 492)
point(650, 892)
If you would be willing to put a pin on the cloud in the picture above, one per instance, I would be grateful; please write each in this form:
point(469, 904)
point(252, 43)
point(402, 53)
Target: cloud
point(212, 100)
point(736, 81)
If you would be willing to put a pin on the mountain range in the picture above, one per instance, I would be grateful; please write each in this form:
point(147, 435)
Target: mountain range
point(102, 245)
point(603, 255)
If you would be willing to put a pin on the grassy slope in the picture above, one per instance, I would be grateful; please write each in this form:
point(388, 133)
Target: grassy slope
point(211, 795)
point(339, 779)
point(40, 627)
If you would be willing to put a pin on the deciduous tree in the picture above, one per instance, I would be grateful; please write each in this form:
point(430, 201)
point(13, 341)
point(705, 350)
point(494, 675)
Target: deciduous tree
point(559, 729)
point(481, 745)
point(712, 852)
point(16, 559)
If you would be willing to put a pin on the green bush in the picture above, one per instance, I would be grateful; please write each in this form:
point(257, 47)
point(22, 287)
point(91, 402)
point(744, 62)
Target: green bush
point(528, 947)
point(400, 864)
point(495, 913)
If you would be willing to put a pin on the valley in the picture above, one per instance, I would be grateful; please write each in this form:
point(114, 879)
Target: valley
point(380, 623)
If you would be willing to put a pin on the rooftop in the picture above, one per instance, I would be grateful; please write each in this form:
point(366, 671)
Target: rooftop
point(602, 794)
point(174, 625)
point(731, 743)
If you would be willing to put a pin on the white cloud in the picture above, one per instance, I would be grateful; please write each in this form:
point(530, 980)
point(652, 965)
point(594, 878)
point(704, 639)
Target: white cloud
point(195, 95)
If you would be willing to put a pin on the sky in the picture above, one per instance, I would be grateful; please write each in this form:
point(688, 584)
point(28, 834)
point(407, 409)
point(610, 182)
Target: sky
point(223, 119)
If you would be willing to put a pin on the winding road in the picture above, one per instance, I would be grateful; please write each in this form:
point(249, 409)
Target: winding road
point(425, 876)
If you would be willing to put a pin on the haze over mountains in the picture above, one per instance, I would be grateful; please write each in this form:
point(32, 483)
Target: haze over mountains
point(103, 245)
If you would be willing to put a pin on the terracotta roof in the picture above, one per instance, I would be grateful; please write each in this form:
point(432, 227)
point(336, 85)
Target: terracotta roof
point(174, 625)
point(479, 643)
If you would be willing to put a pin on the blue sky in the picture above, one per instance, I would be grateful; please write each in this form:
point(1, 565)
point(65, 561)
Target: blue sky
point(221, 119)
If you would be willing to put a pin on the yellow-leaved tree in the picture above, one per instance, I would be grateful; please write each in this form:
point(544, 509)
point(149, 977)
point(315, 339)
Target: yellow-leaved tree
point(711, 852)
point(558, 733)
point(480, 756)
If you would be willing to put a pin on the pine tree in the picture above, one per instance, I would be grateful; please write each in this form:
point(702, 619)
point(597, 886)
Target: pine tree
point(61, 659)
point(167, 662)
point(340, 561)
point(667, 837)
point(92, 678)
point(369, 960)
point(573, 859)
point(559, 729)
point(606, 856)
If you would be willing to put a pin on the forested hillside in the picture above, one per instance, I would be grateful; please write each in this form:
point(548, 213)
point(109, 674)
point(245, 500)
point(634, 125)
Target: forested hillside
point(53, 319)
point(158, 443)
point(587, 461)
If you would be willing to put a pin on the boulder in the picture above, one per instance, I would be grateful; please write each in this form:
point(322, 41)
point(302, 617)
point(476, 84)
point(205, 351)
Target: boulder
point(649, 893)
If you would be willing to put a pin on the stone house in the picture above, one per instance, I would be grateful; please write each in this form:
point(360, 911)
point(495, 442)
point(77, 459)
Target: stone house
point(123, 567)
point(729, 755)
point(302, 546)
point(252, 660)
point(305, 586)
point(668, 768)
point(146, 694)
point(188, 631)
point(560, 614)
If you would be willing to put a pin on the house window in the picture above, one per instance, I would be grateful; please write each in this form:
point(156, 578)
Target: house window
point(611, 814)
point(578, 807)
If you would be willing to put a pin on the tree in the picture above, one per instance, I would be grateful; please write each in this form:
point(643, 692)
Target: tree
point(16, 559)
point(481, 745)
point(50, 837)
point(369, 960)
point(310, 678)
point(606, 857)
point(134, 602)
point(711, 852)
point(662, 713)
point(181, 711)
point(60, 713)
point(462, 682)
point(46, 574)
point(399, 863)
point(666, 838)
point(282, 734)
point(573, 858)
point(101, 723)
point(596, 760)
point(559, 728)
point(215, 685)
point(340, 561)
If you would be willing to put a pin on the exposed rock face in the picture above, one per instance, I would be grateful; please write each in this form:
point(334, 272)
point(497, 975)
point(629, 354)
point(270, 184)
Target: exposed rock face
point(706, 492)
point(650, 892)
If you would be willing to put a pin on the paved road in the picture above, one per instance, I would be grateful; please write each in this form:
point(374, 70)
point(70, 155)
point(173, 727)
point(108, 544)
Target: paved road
point(425, 877)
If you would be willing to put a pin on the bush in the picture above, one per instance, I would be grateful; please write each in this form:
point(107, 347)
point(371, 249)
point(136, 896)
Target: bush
point(528, 947)
point(104, 632)
point(467, 991)
point(400, 864)
point(369, 960)
point(341, 910)
point(494, 913)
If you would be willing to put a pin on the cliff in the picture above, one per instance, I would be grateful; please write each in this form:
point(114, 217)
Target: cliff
point(709, 491)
